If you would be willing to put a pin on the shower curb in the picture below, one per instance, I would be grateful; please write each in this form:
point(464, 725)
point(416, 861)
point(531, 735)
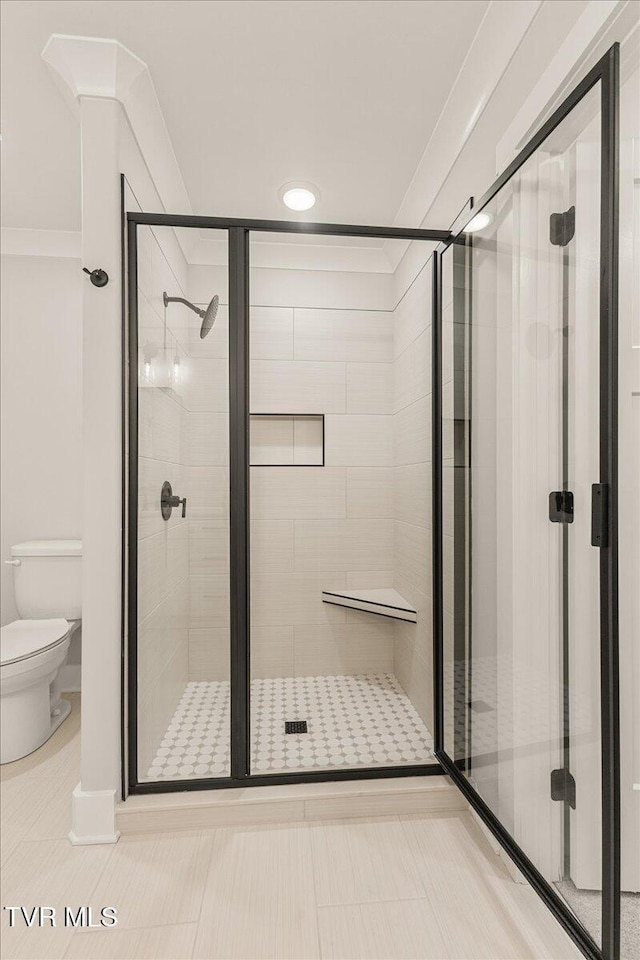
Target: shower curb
point(295, 802)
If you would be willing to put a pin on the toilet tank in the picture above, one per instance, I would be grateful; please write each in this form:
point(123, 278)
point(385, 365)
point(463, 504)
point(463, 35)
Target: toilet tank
point(47, 578)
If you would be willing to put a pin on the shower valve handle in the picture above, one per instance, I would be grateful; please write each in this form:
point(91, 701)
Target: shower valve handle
point(169, 500)
point(98, 277)
point(175, 501)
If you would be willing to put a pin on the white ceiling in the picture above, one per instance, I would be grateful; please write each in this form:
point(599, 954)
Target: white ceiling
point(343, 94)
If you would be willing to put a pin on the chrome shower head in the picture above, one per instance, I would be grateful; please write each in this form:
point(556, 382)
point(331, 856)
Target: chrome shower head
point(208, 316)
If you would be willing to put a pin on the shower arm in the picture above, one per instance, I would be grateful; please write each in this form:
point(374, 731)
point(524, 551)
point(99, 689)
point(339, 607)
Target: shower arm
point(167, 299)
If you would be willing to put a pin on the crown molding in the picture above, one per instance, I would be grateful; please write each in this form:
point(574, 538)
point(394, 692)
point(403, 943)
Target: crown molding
point(599, 25)
point(501, 31)
point(93, 66)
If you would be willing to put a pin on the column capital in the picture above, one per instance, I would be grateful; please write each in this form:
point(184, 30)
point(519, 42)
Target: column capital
point(92, 66)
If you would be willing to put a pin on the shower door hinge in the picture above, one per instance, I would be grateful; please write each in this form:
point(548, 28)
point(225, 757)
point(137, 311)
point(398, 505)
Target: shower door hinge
point(561, 506)
point(563, 787)
point(599, 515)
point(562, 227)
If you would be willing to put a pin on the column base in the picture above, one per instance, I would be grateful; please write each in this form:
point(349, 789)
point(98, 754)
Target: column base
point(93, 817)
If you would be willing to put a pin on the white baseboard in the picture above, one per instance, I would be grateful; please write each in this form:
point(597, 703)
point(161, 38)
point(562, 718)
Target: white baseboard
point(93, 838)
point(93, 817)
point(70, 678)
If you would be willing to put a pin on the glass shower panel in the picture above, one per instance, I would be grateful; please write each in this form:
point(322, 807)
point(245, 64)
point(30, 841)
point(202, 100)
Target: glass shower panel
point(520, 452)
point(629, 506)
point(341, 673)
point(182, 531)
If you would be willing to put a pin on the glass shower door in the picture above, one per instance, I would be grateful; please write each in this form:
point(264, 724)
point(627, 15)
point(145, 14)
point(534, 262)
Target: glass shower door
point(525, 577)
point(179, 511)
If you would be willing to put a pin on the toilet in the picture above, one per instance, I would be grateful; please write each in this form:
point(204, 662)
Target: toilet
point(47, 585)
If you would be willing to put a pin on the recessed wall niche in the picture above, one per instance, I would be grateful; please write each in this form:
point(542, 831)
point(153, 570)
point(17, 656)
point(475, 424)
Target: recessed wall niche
point(287, 440)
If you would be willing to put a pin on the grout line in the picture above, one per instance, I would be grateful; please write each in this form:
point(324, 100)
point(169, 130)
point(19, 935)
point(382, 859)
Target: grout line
point(364, 903)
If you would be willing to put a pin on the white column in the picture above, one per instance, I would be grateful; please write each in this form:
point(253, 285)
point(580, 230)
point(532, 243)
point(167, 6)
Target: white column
point(94, 798)
point(111, 92)
point(96, 76)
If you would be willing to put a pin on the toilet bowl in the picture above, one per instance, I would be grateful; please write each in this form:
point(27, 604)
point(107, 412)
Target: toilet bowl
point(31, 655)
point(34, 649)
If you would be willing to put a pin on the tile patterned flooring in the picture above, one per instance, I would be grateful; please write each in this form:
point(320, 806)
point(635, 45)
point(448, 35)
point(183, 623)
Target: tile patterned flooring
point(352, 721)
point(379, 888)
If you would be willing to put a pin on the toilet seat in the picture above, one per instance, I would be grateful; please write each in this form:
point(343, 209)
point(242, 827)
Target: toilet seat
point(24, 639)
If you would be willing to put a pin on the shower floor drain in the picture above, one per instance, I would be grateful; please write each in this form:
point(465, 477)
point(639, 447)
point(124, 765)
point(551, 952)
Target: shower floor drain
point(295, 726)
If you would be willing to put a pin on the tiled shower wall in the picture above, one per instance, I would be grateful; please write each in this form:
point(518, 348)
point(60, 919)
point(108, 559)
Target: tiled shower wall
point(331, 527)
point(312, 528)
point(413, 659)
point(163, 547)
point(363, 519)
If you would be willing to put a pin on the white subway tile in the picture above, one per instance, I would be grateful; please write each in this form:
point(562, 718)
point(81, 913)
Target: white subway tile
point(413, 313)
point(208, 388)
point(412, 493)
point(209, 602)
point(285, 386)
point(370, 492)
point(208, 439)
point(369, 579)
point(343, 545)
point(209, 653)
point(412, 433)
point(289, 493)
point(272, 546)
point(271, 651)
point(209, 556)
point(159, 634)
point(343, 648)
point(370, 387)
point(294, 598)
point(208, 493)
point(271, 333)
point(413, 555)
point(412, 372)
point(360, 335)
point(168, 428)
point(359, 440)
point(163, 562)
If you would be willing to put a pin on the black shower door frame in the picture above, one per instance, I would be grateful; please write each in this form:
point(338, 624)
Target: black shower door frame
point(606, 73)
point(238, 233)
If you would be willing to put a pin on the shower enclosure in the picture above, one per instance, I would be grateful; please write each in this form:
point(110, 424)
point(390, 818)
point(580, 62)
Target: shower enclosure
point(279, 538)
point(372, 506)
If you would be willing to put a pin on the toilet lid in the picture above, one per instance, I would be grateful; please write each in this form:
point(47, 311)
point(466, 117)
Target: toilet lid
point(25, 638)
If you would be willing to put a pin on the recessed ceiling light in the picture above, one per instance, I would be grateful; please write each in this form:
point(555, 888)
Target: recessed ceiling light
point(299, 196)
point(479, 222)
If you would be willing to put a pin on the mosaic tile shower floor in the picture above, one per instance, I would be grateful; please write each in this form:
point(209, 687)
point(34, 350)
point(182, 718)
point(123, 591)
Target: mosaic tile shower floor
point(352, 721)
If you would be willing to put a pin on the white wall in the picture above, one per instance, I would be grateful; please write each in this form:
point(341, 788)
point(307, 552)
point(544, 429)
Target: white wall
point(41, 407)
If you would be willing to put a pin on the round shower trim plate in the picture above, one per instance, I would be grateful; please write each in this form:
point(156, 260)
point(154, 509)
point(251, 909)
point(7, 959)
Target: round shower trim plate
point(299, 195)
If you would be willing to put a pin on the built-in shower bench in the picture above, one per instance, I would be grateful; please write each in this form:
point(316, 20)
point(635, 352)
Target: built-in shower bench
point(383, 601)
